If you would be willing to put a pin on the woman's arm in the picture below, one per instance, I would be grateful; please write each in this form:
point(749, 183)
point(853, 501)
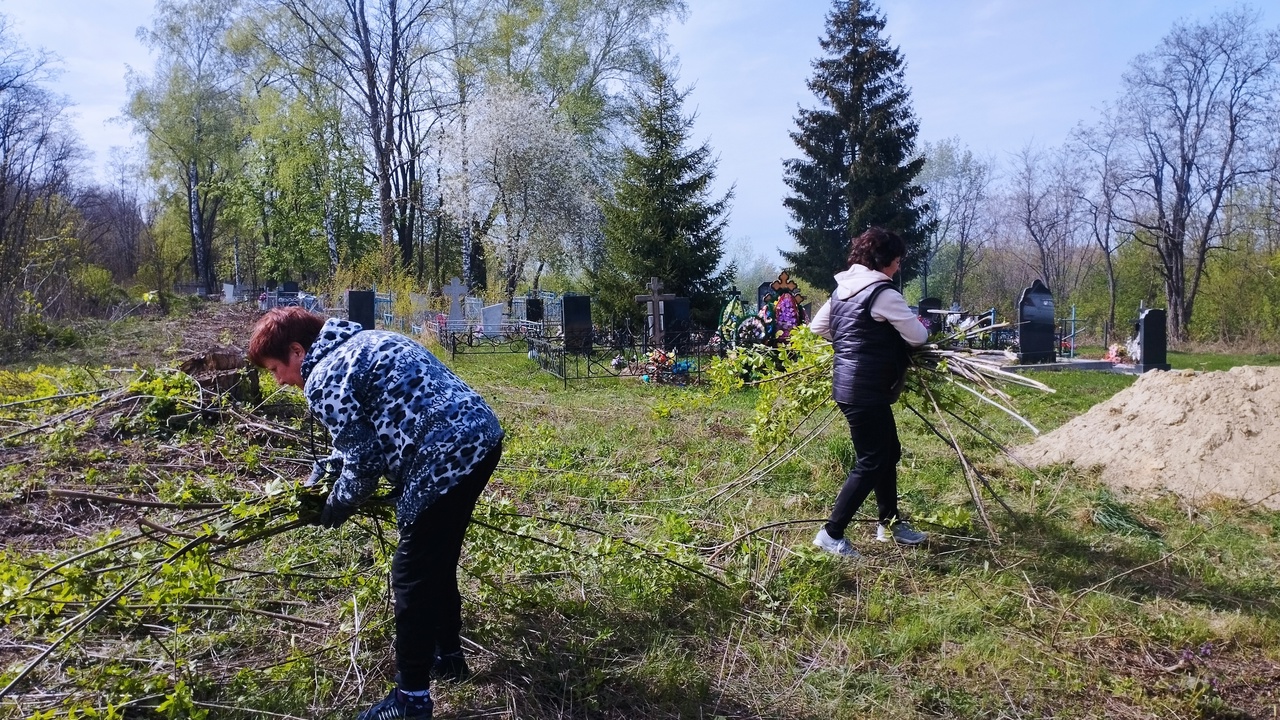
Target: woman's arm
point(337, 394)
point(891, 307)
point(821, 322)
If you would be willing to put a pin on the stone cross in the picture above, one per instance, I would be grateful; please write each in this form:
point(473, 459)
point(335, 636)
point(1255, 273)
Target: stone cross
point(655, 299)
point(456, 291)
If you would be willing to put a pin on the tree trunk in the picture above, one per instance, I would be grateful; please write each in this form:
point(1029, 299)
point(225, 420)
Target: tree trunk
point(468, 274)
point(330, 236)
point(200, 245)
point(1111, 297)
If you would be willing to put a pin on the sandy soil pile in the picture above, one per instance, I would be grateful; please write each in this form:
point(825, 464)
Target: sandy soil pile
point(1197, 434)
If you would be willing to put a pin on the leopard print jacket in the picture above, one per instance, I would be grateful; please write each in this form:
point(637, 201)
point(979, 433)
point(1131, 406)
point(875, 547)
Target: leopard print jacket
point(394, 410)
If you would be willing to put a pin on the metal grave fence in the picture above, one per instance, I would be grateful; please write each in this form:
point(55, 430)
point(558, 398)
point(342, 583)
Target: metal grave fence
point(622, 352)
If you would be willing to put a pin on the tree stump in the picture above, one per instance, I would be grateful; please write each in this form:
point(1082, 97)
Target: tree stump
point(224, 371)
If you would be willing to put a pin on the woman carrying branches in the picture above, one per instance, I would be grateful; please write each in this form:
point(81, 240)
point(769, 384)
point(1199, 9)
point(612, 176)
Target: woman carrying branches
point(870, 327)
point(394, 410)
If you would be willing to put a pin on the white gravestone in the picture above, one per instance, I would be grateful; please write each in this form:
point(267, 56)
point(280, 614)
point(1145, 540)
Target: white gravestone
point(491, 320)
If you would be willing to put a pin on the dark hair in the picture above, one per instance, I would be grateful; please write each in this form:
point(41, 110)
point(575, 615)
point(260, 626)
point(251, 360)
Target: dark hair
point(876, 248)
point(275, 331)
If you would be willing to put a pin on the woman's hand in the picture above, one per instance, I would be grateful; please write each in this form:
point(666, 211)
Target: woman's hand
point(335, 513)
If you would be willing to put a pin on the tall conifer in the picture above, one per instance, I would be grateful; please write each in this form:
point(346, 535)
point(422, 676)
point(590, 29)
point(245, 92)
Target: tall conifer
point(859, 167)
point(662, 220)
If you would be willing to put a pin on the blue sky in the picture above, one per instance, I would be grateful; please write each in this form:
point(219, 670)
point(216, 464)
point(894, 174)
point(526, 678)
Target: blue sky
point(997, 74)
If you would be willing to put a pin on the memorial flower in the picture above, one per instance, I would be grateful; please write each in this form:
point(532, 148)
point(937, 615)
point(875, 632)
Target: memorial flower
point(787, 314)
point(751, 332)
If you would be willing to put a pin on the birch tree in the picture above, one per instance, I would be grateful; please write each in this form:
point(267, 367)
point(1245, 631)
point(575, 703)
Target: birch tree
point(189, 114)
point(1046, 212)
point(958, 185)
point(1099, 145)
point(374, 54)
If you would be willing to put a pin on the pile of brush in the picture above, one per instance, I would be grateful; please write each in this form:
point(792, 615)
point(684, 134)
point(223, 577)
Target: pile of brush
point(948, 381)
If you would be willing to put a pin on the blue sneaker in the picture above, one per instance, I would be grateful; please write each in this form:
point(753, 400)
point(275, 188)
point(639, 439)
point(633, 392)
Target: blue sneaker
point(398, 706)
point(902, 533)
point(840, 547)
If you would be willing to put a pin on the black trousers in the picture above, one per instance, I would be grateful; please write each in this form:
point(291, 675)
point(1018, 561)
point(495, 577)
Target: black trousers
point(875, 441)
point(424, 577)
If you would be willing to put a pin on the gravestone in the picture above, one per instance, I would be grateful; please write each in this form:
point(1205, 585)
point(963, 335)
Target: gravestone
point(360, 307)
point(1036, 325)
point(762, 291)
point(576, 320)
point(675, 324)
point(471, 309)
point(1153, 341)
point(228, 293)
point(654, 299)
point(289, 286)
point(491, 320)
point(934, 319)
point(455, 291)
point(533, 310)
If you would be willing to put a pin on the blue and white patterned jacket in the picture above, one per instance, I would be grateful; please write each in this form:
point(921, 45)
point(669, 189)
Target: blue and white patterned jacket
point(394, 410)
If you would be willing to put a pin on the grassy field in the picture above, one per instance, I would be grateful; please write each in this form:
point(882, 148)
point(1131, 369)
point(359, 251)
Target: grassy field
point(1199, 360)
point(637, 555)
point(1213, 361)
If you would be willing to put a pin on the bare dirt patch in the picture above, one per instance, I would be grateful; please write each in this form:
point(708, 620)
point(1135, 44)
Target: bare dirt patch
point(1196, 433)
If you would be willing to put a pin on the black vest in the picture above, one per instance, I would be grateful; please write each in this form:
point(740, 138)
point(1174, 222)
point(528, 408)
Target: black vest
point(870, 354)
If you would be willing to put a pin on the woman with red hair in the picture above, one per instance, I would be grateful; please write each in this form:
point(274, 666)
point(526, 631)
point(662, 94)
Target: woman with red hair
point(395, 411)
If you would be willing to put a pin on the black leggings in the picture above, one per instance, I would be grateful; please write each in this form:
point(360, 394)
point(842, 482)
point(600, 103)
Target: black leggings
point(875, 441)
point(424, 577)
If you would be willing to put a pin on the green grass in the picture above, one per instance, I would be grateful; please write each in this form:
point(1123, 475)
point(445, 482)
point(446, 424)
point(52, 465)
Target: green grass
point(1202, 361)
point(1213, 361)
point(1094, 603)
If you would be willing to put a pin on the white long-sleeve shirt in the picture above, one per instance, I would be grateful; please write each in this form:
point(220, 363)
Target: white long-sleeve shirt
point(889, 307)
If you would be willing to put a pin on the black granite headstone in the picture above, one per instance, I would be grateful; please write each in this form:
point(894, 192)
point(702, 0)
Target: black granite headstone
point(934, 319)
point(1153, 342)
point(577, 323)
point(1036, 325)
point(763, 289)
point(533, 309)
point(675, 324)
point(360, 308)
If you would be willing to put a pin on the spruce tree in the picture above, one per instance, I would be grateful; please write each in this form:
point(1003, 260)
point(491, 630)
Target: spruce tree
point(859, 167)
point(662, 220)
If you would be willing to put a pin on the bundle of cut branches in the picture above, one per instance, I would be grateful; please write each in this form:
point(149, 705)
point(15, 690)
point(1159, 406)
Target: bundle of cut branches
point(168, 571)
point(948, 379)
point(188, 560)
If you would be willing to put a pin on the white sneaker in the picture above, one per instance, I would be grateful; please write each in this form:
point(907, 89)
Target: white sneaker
point(840, 547)
point(902, 533)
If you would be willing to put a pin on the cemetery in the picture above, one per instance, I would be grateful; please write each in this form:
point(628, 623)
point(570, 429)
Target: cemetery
point(530, 360)
point(1128, 465)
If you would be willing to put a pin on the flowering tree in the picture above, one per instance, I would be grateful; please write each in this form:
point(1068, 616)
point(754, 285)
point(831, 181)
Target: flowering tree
point(512, 176)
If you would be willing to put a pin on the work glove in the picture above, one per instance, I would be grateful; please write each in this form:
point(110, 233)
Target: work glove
point(335, 513)
point(328, 466)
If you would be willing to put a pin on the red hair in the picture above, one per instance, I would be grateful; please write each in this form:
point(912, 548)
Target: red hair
point(280, 327)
